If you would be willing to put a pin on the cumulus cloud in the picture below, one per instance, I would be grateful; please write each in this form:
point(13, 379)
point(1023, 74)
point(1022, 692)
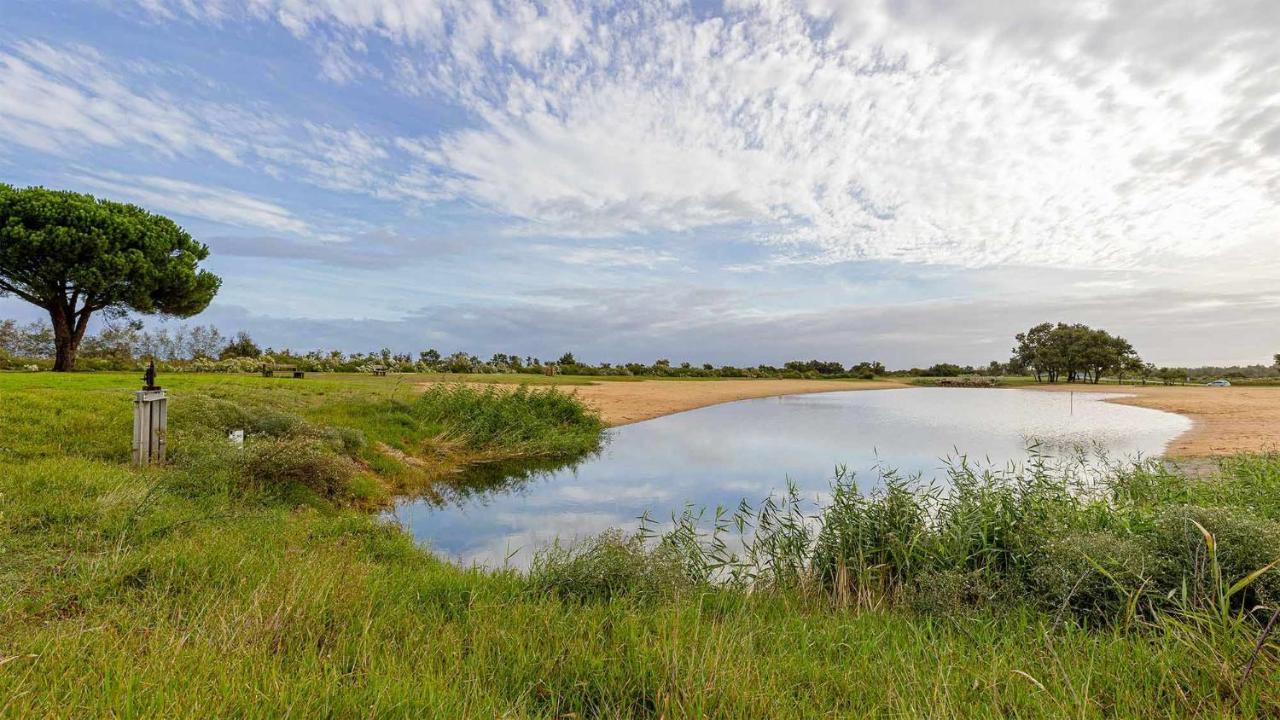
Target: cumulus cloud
point(1082, 134)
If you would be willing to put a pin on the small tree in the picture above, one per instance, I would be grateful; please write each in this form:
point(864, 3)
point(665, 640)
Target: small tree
point(75, 255)
point(242, 346)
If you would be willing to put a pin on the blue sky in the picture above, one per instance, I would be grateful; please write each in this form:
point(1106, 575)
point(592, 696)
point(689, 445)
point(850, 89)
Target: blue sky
point(746, 181)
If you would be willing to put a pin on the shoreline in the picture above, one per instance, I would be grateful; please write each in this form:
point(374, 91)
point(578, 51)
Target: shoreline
point(1224, 421)
point(631, 402)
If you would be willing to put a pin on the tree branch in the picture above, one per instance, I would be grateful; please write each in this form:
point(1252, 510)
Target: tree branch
point(7, 287)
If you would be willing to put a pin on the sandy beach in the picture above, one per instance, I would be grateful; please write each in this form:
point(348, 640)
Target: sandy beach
point(1227, 420)
point(621, 403)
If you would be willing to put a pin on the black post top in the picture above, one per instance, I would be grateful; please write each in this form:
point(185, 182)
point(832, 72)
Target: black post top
point(149, 379)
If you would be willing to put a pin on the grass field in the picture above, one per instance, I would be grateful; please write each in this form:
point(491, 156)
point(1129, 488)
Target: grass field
point(256, 583)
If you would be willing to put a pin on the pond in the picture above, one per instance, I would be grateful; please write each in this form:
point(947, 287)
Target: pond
point(748, 449)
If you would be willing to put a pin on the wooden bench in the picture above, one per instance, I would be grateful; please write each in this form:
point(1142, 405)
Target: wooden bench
point(271, 370)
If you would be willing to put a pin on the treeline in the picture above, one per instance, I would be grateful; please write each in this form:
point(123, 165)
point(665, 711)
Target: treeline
point(203, 348)
point(1049, 352)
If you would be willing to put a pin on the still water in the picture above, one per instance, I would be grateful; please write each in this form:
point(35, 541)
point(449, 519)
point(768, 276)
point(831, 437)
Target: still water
point(748, 449)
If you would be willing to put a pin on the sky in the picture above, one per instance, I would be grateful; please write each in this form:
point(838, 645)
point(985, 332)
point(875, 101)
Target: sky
point(736, 181)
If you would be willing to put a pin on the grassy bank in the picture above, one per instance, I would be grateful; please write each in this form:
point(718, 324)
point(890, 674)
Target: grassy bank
point(255, 583)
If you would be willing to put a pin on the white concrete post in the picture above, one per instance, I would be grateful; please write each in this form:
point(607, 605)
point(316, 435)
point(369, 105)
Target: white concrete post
point(150, 427)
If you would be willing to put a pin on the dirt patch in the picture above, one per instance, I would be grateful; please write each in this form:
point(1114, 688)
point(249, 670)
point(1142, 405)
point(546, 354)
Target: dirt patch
point(1227, 420)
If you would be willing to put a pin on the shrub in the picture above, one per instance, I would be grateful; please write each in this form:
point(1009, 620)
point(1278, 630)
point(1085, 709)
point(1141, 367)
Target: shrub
point(1094, 574)
point(209, 412)
point(280, 465)
point(1245, 543)
point(207, 463)
point(347, 440)
point(274, 423)
point(952, 592)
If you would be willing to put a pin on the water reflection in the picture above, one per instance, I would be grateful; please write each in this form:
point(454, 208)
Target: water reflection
point(480, 484)
point(748, 449)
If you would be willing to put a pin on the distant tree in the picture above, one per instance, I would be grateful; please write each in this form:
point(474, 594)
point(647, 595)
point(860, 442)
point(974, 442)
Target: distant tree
point(1033, 350)
point(32, 340)
point(567, 359)
point(944, 370)
point(8, 337)
point(1131, 365)
point(460, 362)
point(1275, 361)
point(242, 346)
point(204, 341)
point(74, 255)
point(1071, 352)
point(117, 343)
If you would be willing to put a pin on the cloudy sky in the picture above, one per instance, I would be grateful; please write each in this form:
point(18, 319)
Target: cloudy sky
point(718, 180)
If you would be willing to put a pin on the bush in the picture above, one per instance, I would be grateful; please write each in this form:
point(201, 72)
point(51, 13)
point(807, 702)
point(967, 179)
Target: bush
point(278, 466)
point(209, 412)
point(1245, 543)
point(953, 592)
point(1094, 574)
point(207, 463)
point(346, 440)
point(275, 424)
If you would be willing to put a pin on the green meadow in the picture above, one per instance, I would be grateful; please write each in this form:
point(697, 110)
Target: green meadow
point(263, 582)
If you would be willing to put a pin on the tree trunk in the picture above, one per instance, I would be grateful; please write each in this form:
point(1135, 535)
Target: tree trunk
point(68, 331)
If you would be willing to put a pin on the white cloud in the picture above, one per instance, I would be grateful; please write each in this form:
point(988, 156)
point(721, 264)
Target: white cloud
point(58, 100)
point(1084, 134)
point(184, 198)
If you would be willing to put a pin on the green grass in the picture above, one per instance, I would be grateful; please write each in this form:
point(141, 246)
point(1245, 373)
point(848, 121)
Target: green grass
point(217, 587)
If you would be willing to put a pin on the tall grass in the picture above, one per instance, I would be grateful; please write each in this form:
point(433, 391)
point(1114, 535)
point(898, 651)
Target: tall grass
point(522, 422)
point(1131, 540)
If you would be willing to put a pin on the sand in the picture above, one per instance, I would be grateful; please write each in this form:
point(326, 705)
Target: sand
point(622, 403)
point(1227, 420)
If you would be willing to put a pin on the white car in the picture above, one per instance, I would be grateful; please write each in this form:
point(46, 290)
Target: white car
point(1218, 383)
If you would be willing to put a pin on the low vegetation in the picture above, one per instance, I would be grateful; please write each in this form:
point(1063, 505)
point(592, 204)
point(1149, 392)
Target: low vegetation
point(255, 582)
